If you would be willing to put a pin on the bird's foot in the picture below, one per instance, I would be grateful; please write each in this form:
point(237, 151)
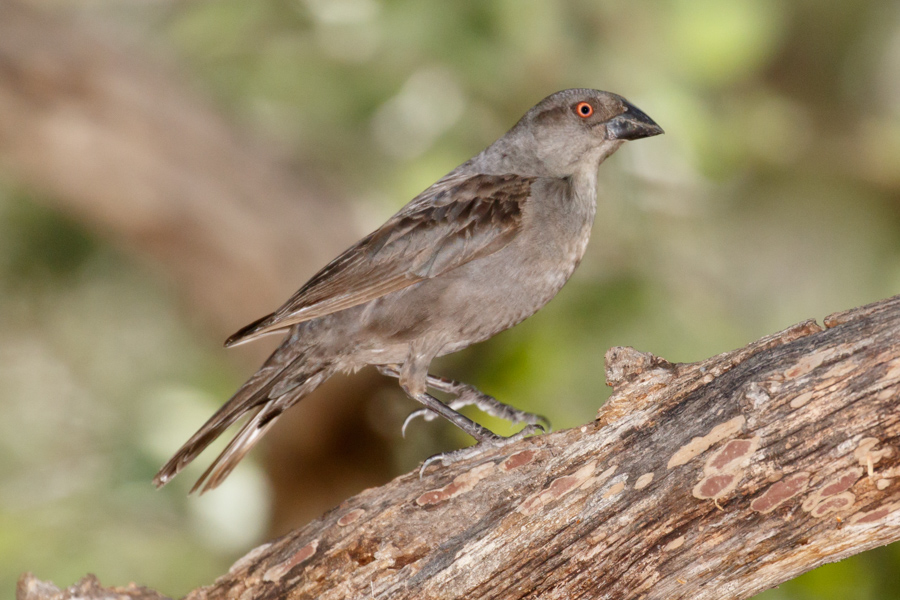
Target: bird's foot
point(468, 395)
point(496, 441)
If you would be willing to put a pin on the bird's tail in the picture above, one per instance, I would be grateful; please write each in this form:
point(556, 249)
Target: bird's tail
point(278, 385)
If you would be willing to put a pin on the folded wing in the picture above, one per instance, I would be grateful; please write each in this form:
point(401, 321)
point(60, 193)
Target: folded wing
point(455, 221)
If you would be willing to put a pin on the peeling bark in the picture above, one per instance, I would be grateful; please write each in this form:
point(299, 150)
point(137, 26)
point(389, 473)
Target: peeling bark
point(716, 479)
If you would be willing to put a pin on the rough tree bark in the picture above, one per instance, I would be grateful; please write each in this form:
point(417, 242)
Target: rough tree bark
point(716, 479)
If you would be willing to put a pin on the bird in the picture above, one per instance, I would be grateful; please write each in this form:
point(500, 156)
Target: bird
point(479, 251)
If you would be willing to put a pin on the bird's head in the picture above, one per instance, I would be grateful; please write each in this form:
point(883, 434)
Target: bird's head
point(572, 130)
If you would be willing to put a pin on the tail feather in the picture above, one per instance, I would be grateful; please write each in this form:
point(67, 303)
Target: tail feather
point(236, 449)
point(255, 396)
point(253, 431)
point(245, 400)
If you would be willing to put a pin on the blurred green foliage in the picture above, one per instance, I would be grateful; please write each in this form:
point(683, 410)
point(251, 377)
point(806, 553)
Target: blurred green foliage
point(773, 197)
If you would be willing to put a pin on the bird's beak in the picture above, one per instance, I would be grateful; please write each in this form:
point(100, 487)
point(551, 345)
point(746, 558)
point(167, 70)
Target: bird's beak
point(632, 124)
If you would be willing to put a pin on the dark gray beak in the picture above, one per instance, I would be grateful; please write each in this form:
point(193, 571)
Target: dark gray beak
point(632, 124)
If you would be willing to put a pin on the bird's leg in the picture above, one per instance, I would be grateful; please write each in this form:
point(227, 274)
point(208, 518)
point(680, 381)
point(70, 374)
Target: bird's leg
point(468, 395)
point(412, 380)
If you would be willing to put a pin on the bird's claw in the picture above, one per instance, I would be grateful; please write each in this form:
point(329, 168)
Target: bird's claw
point(530, 419)
point(422, 412)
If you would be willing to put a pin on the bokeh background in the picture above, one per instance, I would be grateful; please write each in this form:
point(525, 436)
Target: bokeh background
point(170, 171)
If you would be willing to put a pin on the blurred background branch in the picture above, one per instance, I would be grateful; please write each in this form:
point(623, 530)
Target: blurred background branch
point(142, 218)
point(115, 140)
point(119, 142)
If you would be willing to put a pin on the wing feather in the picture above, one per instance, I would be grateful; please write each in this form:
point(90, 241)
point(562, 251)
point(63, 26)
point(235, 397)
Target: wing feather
point(455, 221)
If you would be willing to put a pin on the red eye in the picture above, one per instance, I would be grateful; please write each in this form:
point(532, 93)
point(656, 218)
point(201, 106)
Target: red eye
point(584, 110)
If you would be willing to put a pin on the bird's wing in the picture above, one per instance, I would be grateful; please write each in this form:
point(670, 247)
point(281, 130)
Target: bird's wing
point(453, 222)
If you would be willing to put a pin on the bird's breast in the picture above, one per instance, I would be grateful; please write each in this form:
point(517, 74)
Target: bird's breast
point(501, 290)
point(559, 235)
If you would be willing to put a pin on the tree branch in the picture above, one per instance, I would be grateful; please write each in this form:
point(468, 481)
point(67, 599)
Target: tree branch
point(715, 479)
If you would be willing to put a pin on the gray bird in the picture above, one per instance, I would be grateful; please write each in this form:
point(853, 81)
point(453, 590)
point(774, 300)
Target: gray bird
point(479, 251)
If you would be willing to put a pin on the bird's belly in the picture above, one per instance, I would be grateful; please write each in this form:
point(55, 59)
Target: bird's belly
point(511, 287)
